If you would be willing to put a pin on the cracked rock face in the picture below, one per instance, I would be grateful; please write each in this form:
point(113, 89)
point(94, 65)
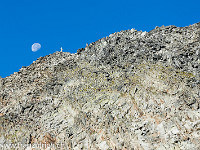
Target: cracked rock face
point(131, 90)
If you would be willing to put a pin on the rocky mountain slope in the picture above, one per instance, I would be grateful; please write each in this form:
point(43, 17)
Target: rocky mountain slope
point(132, 90)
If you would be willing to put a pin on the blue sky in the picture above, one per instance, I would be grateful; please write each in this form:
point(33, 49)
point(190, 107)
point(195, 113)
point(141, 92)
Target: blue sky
point(72, 24)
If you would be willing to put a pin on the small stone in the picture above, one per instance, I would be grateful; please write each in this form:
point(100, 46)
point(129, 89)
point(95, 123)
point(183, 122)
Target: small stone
point(103, 145)
point(143, 33)
point(174, 130)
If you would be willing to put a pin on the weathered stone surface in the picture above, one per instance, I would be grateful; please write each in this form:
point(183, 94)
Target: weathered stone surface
point(131, 90)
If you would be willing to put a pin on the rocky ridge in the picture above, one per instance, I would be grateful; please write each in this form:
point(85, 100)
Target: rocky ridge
point(131, 90)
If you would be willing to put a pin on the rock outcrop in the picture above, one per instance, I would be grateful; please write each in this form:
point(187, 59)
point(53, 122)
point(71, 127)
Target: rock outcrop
point(131, 90)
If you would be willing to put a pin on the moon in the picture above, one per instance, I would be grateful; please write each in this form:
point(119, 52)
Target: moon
point(35, 47)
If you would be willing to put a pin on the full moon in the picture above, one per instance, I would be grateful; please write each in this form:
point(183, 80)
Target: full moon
point(35, 47)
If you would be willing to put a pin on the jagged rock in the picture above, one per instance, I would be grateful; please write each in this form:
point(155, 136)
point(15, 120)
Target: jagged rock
point(131, 90)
